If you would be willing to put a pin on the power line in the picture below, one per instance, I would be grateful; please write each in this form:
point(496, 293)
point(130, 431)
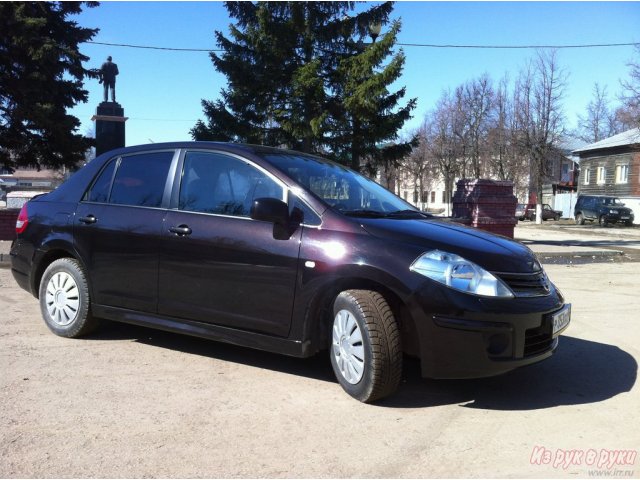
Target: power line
point(592, 45)
point(425, 45)
point(155, 48)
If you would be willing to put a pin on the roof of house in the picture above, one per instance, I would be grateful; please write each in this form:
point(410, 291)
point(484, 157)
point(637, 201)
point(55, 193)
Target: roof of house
point(630, 137)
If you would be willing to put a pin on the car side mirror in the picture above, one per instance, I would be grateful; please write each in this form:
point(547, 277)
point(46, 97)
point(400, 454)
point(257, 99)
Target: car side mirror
point(270, 210)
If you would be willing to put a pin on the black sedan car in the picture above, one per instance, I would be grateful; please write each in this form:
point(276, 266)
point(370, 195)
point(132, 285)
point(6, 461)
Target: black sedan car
point(285, 252)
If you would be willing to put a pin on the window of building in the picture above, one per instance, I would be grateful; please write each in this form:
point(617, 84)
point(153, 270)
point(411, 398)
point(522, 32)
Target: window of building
point(564, 175)
point(415, 196)
point(587, 176)
point(444, 196)
point(622, 173)
point(601, 176)
point(433, 197)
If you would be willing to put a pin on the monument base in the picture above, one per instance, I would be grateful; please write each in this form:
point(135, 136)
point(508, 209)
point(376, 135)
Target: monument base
point(109, 124)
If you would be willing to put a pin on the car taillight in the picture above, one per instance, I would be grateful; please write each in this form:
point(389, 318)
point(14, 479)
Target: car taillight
point(23, 220)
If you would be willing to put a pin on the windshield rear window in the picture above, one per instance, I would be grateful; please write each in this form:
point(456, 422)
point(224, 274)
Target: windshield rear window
point(336, 185)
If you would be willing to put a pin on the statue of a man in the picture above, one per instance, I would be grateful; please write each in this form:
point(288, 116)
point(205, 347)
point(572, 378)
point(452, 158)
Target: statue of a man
point(108, 73)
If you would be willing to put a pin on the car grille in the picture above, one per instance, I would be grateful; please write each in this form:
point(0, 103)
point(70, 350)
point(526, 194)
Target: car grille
point(537, 340)
point(526, 284)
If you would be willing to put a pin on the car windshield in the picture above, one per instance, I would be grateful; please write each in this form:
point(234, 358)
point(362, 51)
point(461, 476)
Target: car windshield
point(342, 189)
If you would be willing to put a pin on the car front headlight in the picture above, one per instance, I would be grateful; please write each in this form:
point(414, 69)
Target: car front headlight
point(455, 272)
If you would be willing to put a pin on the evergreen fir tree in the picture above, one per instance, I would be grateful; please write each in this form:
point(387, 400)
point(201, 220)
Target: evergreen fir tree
point(298, 77)
point(41, 76)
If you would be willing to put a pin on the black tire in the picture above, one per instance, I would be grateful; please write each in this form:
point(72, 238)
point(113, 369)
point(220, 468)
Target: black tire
point(603, 221)
point(579, 219)
point(64, 299)
point(628, 223)
point(556, 218)
point(380, 341)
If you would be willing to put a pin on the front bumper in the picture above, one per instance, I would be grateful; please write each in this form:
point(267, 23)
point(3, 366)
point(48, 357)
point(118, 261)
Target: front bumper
point(619, 217)
point(483, 337)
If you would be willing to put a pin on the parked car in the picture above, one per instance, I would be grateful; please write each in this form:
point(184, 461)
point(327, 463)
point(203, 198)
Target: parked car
point(285, 252)
point(521, 210)
point(602, 209)
point(548, 213)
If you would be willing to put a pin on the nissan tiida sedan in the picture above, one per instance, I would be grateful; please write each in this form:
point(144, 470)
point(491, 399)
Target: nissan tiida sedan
point(285, 252)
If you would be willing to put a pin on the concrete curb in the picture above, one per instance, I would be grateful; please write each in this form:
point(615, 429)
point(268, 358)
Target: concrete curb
point(594, 253)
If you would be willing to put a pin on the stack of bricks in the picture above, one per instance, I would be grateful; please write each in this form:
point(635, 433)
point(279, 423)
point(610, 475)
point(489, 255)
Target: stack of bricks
point(8, 219)
point(486, 204)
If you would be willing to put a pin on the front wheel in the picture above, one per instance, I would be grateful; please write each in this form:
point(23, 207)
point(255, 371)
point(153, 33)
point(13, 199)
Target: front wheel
point(580, 219)
point(366, 353)
point(64, 299)
point(603, 221)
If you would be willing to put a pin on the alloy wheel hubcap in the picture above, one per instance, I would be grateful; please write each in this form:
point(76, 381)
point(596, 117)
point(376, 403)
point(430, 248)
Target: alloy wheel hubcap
point(348, 349)
point(62, 299)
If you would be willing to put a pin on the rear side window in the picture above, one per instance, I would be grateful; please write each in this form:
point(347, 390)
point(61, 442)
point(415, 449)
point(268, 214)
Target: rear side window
point(102, 187)
point(140, 179)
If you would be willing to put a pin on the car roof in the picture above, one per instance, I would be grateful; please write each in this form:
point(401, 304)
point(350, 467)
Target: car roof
point(228, 146)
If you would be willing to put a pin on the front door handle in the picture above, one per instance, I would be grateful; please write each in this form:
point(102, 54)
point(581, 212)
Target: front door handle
point(89, 219)
point(180, 230)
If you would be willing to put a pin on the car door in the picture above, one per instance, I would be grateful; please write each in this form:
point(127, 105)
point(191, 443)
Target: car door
point(590, 209)
point(217, 265)
point(117, 229)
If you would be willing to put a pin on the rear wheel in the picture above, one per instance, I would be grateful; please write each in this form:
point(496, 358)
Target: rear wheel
point(64, 299)
point(603, 221)
point(366, 354)
point(628, 223)
point(579, 219)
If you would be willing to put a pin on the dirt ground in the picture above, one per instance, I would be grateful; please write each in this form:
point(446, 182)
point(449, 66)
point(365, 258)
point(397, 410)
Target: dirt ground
point(134, 402)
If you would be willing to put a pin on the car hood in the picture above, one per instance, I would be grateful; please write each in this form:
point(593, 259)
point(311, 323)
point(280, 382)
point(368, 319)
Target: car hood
point(492, 252)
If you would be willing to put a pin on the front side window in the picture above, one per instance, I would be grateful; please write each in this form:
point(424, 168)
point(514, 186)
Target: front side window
point(224, 185)
point(140, 179)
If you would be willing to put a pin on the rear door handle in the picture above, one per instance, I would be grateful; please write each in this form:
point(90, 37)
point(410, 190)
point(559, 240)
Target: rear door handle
point(180, 230)
point(89, 219)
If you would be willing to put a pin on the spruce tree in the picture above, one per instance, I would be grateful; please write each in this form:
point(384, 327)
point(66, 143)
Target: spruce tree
point(41, 76)
point(300, 76)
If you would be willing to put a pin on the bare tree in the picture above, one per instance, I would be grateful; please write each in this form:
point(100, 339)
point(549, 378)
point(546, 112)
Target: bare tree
point(420, 164)
point(541, 88)
point(477, 98)
point(506, 158)
point(601, 120)
point(630, 111)
point(445, 144)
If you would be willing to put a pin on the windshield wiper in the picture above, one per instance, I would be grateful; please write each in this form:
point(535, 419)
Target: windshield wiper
point(364, 213)
point(408, 213)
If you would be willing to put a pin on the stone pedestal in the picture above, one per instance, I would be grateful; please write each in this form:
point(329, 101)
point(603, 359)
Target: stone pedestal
point(109, 120)
point(486, 204)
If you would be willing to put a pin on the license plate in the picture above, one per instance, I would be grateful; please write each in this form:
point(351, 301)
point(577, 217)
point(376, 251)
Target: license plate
point(560, 320)
point(624, 217)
